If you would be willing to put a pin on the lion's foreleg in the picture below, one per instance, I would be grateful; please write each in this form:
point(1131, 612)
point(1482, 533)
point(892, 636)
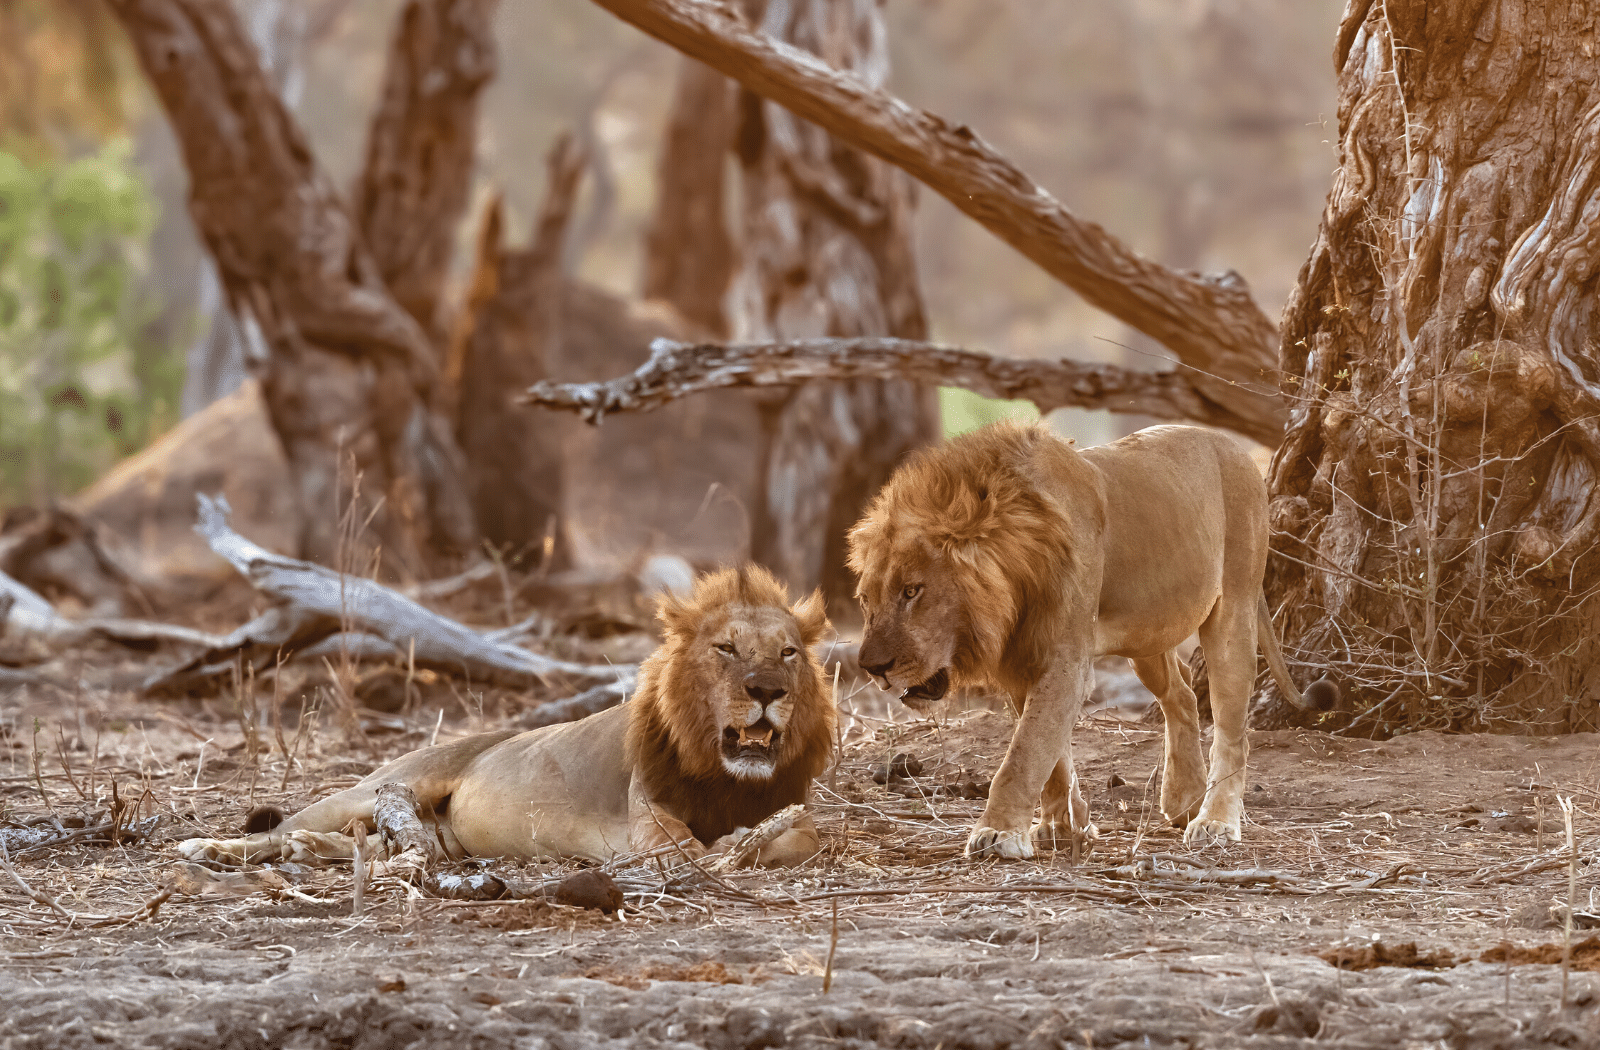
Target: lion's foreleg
point(650, 826)
point(795, 846)
point(1041, 740)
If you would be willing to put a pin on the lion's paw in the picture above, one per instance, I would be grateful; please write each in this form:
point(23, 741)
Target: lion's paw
point(1050, 836)
point(200, 850)
point(1010, 845)
point(1202, 833)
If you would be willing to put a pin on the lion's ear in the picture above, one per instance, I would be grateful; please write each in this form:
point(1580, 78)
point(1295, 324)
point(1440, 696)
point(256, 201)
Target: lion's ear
point(675, 614)
point(812, 616)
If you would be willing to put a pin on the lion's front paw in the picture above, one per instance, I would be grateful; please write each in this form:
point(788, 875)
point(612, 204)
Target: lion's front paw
point(992, 842)
point(1050, 835)
point(1203, 833)
point(231, 851)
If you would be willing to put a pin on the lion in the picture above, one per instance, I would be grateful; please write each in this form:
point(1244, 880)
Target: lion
point(1006, 557)
point(730, 723)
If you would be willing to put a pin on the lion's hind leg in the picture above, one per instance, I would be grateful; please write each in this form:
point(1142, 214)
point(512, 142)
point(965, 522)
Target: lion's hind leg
point(1064, 818)
point(1229, 636)
point(1183, 777)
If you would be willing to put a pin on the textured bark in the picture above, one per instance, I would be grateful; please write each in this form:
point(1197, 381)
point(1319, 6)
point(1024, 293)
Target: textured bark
point(1209, 321)
point(676, 370)
point(688, 253)
point(1434, 491)
point(413, 190)
point(349, 371)
point(509, 328)
point(826, 251)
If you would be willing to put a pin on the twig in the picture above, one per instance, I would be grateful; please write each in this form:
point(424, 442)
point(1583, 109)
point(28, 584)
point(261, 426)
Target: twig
point(833, 946)
point(42, 898)
point(1572, 892)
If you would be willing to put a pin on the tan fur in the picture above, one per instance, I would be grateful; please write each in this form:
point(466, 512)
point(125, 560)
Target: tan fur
point(1005, 557)
point(641, 775)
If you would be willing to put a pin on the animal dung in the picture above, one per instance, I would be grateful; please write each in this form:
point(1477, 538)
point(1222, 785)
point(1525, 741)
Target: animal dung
point(262, 818)
point(590, 888)
point(901, 767)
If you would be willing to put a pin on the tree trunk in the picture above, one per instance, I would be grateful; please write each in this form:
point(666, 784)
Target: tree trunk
point(413, 189)
point(1434, 492)
point(826, 252)
point(221, 359)
point(507, 336)
point(688, 254)
point(349, 372)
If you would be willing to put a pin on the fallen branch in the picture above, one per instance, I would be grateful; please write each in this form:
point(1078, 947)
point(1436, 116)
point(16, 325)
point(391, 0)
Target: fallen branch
point(676, 370)
point(1209, 321)
point(400, 829)
point(584, 704)
point(33, 894)
point(743, 853)
point(315, 603)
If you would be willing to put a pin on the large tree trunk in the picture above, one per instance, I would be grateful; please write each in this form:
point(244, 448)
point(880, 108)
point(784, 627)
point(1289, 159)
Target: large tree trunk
point(505, 340)
point(412, 192)
point(1434, 491)
point(688, 254)
point(826, 252)
point(349, 372)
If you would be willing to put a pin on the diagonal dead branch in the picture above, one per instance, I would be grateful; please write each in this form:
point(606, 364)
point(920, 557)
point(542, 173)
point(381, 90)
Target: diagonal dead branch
point(676, 370)
point(1209, 321)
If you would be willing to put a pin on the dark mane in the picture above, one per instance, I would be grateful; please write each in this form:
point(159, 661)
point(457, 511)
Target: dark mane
point(671, 741)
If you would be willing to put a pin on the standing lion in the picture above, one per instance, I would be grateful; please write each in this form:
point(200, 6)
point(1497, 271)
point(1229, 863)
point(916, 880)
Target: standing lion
point(730, 723)
point(1006, 557)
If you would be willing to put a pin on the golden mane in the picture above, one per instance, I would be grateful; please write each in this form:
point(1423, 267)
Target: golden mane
point(1006, 543)
point(671, 738)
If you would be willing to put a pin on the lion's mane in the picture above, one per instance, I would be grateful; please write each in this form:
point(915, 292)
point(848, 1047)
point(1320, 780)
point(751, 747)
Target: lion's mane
point(672, 740)
point(1007, 544)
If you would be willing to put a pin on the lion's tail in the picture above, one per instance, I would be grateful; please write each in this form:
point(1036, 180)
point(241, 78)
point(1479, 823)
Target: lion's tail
point(1267, 639)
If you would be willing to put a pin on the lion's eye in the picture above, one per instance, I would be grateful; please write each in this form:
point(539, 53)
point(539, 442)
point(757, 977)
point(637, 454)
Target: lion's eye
point(789, 651)
point(911, 591)
point(726, 647)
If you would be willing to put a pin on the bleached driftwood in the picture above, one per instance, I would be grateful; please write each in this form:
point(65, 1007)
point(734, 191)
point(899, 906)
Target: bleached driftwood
point(401, 829)
point(675, 370)
point(314, 604)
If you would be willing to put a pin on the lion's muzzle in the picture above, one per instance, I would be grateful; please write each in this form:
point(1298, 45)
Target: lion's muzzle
point(751, 751)
point(927, 692)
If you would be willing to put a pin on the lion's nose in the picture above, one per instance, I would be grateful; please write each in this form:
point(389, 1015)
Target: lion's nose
point(878, 670)
point(762, 692)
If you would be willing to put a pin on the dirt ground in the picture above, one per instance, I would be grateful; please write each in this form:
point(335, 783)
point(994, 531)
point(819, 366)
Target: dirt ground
point(1371, 904)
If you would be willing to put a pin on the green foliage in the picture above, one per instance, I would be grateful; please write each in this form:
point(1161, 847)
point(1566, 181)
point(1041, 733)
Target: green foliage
point(81, 383)
point(962, 410)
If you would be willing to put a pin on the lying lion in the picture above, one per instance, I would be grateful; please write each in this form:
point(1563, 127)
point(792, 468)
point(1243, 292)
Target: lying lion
point(1006, 557)
point(730, 723)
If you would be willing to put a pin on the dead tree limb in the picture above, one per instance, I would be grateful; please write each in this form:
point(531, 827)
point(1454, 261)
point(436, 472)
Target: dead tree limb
point(675, 370)
point(314, 603)
point(400, 827)
point(1209, 321)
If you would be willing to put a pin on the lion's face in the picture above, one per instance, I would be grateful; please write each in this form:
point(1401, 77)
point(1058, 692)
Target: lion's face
point(917, 626)
point(744, 683)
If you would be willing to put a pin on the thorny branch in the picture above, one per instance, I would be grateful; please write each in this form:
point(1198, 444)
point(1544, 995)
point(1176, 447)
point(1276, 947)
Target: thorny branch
point(676, 370)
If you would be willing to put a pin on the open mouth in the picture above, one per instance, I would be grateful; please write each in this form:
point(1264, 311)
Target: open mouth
point(929, 691)
point(752, 743)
